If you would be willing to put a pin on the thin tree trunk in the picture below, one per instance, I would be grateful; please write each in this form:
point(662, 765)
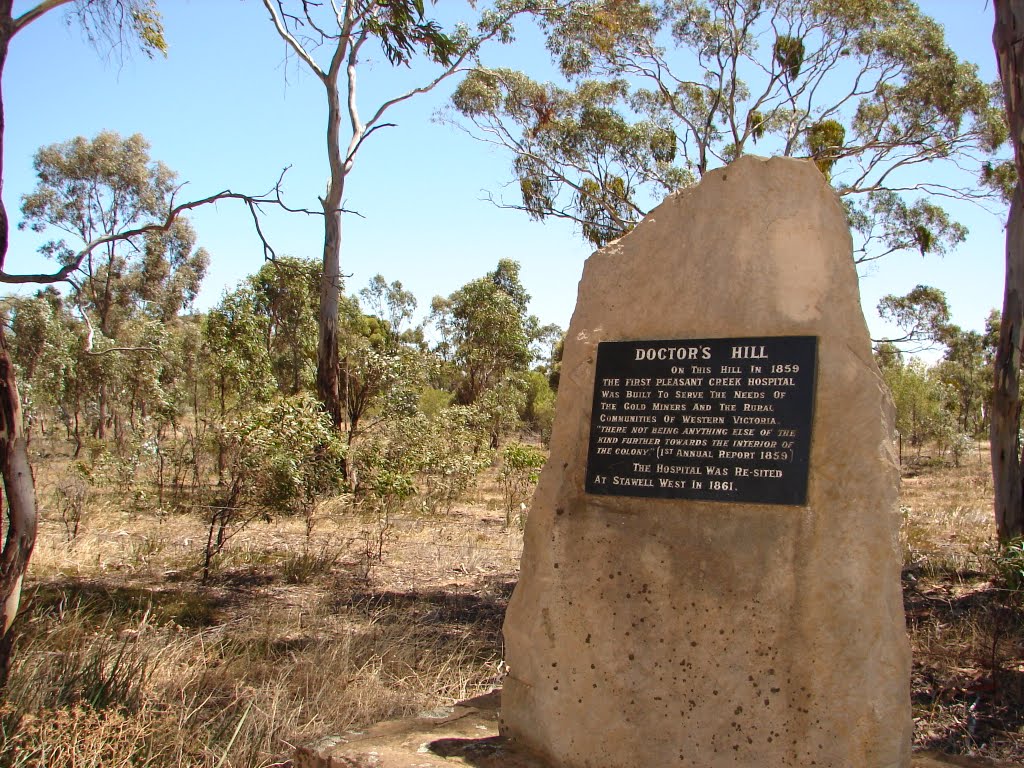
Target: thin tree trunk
point(21, 506)
point(327, 375)
point(327, 384)
point(101, 424)
point(1006, 405)
point(1008, 40)
point(14, 467)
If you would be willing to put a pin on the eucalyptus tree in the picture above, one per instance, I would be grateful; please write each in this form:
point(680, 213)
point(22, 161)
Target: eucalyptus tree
point(114, 20)
point(337, 42)
point(93, 189)
point(657, 93)
point(234, 354)
point(1005, 444)
point(234, 362)
point(41, 343)
point(922, 316)
point(918, 396)
point(284, 294)
point(485, 331)
point(390, 302)
point(381, 377)
point(967, 374)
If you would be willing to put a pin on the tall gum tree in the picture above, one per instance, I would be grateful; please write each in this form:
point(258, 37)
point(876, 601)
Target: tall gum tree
point(114, 20)
point(1008, 40)
point(116, 23)
point(336, 41)
point(89, 188)
point(656, 93)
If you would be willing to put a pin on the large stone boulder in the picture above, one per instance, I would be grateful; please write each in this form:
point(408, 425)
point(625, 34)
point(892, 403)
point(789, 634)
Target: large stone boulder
point(664, 632)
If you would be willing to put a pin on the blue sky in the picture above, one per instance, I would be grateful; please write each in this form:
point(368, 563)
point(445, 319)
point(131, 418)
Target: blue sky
point(226, 109)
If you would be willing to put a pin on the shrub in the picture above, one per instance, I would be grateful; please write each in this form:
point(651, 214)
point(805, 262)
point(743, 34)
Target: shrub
point(286, 457)
point(520, 471)
point(439, 456)
point(539, 411)
point(1009, 565)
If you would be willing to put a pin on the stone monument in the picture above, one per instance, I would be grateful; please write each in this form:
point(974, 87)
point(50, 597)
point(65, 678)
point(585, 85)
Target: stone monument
point(710, 574)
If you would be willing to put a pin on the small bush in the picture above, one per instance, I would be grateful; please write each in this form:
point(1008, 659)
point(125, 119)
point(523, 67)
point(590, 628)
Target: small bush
point(70, 497)
point(302, 567)
point(520, 471)
point(1009, 566)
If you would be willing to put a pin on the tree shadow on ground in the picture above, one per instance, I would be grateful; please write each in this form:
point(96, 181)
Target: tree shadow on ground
point(967, 682)
point(481, 606)
point(103, 602)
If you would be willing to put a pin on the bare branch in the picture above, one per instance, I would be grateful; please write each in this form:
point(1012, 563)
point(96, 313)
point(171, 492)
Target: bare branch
point(276, 16)
point(34, 13)
point(253, 202)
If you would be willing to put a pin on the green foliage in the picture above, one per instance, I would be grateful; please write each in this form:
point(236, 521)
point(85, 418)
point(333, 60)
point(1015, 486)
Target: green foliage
point(498, 408)
point(756, 124)
point(402, 30)
point(958, 444)
point(485, 332)
point(539, 406)
point(43, 344)
point(888, 223)
point(111, 21)
point(948, 402)
point(287, 456)
point(100, 187)
point(285, 297)
point(605, 208)
point(583, 129)
point(1009, 565)
point(966, 370)
point(436, 456)
point(789, 55)
point(555, 367)
point(281, 457)
point(887, 355)
point(1000, 176)
point(391, 303)
point(918, 396)
point(233, 338)
point(433, 401)
point(922, 314)
point(520, 470)
point(662, 92)
point(825, 141)
point(380, 375)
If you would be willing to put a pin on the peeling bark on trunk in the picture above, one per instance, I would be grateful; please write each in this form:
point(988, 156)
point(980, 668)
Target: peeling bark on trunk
point(327, 384)
point(20, 536)
point(1008, 40)
point(21, 506)
point(1006, 405)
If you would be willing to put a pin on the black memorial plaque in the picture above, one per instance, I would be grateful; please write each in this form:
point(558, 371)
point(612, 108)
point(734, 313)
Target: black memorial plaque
point(708, 419)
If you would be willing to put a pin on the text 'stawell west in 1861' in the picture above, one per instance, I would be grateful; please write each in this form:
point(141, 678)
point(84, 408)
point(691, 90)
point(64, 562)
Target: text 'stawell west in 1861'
point(708, 419)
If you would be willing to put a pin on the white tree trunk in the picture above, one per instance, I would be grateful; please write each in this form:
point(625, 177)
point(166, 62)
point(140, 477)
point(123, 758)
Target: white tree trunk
point(1006, 405)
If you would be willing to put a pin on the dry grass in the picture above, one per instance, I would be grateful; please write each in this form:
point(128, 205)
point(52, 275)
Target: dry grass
point(966, 628)
point(125, 659)
point(948, 514)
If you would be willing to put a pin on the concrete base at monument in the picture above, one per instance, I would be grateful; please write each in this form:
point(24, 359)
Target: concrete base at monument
point(706, 633)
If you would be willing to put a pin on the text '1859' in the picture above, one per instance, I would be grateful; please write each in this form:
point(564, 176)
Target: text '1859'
point(707, 419)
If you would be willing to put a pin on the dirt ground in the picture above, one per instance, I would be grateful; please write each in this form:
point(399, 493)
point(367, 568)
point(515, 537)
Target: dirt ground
point(298, 640)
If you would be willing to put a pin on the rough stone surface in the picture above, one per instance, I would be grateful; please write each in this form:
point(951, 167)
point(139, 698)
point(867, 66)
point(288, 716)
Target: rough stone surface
point(685, 633)
point(468, 736)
